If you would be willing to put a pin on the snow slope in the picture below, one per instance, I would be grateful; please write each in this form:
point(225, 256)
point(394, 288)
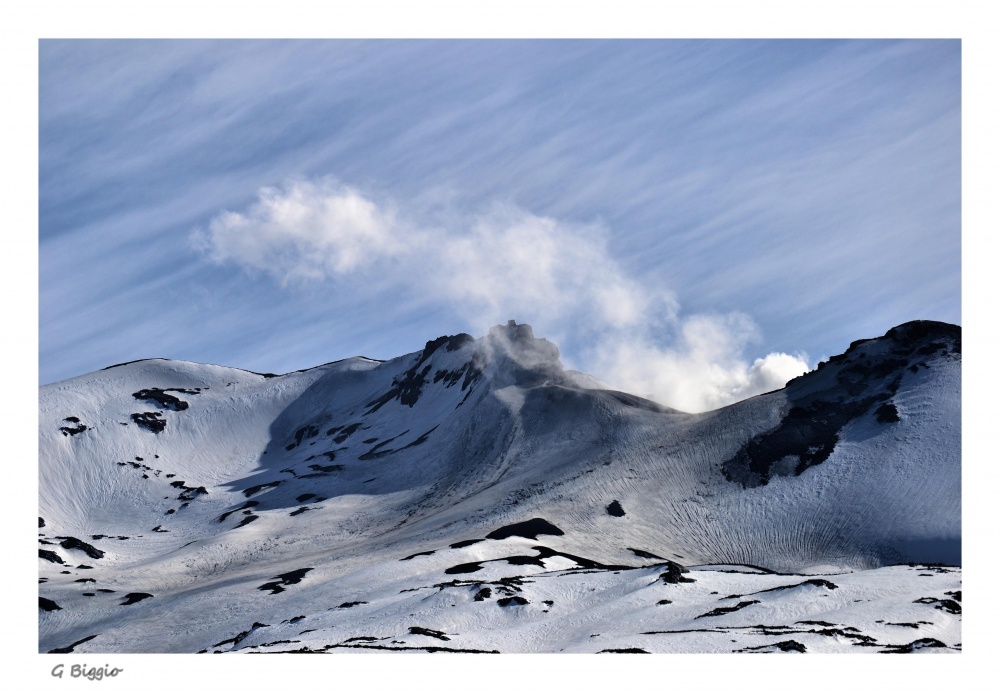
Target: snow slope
point(360, 499)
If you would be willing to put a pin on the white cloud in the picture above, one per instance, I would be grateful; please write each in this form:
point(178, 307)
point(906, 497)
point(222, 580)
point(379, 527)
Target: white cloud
point(515, 264)
point(305, 230)
point(774, 370)
point(501, 264)
point(700, 369)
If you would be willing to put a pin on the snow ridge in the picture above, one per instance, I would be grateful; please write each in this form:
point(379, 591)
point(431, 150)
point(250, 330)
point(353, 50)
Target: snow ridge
point(483, 487)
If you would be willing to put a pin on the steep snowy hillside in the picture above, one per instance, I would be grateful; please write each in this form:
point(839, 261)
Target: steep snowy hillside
point(363, 494)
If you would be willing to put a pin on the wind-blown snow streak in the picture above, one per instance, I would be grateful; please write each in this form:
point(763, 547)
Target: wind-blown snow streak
point(344, 498)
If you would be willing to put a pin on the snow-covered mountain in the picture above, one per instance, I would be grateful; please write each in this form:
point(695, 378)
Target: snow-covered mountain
point(477, 496)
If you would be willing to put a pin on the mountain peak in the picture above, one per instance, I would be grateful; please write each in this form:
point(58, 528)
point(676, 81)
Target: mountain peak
point(475, 476)
point(519, 357)
point(513, 331)
point(856, 388)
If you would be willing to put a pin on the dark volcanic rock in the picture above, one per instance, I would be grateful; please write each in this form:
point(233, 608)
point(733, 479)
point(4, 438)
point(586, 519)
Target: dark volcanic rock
point(321, 469)
point(72, 430)
point(71, 543)
point(253, 490)
point(283, 580)
point(806, 437)
point(526, 529)
point(50, 556)
point(191, 493)
point(648, 555)
point(344, 432)
point(544, 553)
point(306, 432)
point(375, 452)
point(722, 611)
point(430, 633)
point(464, 544)
point(820, 583)
point(150, 420)
point(242, 635)
point(166, 401)
point(914, 646)
point(69, 649)
point(945, 604)
point(675, 574)
point(246, 505)
point(464, 568)
point(887, 413)
point(829, 630)
point(47, 604)
point(407, 388)
point(789, 645)
point(429, 649)
point(410, 557)
point(615, 509)
point(469, 373)
point(847, 387)
point(135, 597)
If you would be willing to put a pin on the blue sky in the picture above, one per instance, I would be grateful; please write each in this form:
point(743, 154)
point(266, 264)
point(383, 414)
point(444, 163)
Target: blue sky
point(691, 220)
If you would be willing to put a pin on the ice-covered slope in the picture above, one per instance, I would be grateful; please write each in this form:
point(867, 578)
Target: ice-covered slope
point(218, 490)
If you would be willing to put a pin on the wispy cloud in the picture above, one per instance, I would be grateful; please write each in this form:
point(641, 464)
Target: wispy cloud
point(500, 263)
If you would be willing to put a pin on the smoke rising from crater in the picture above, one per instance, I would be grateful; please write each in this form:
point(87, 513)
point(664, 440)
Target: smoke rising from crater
point(502, 262)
